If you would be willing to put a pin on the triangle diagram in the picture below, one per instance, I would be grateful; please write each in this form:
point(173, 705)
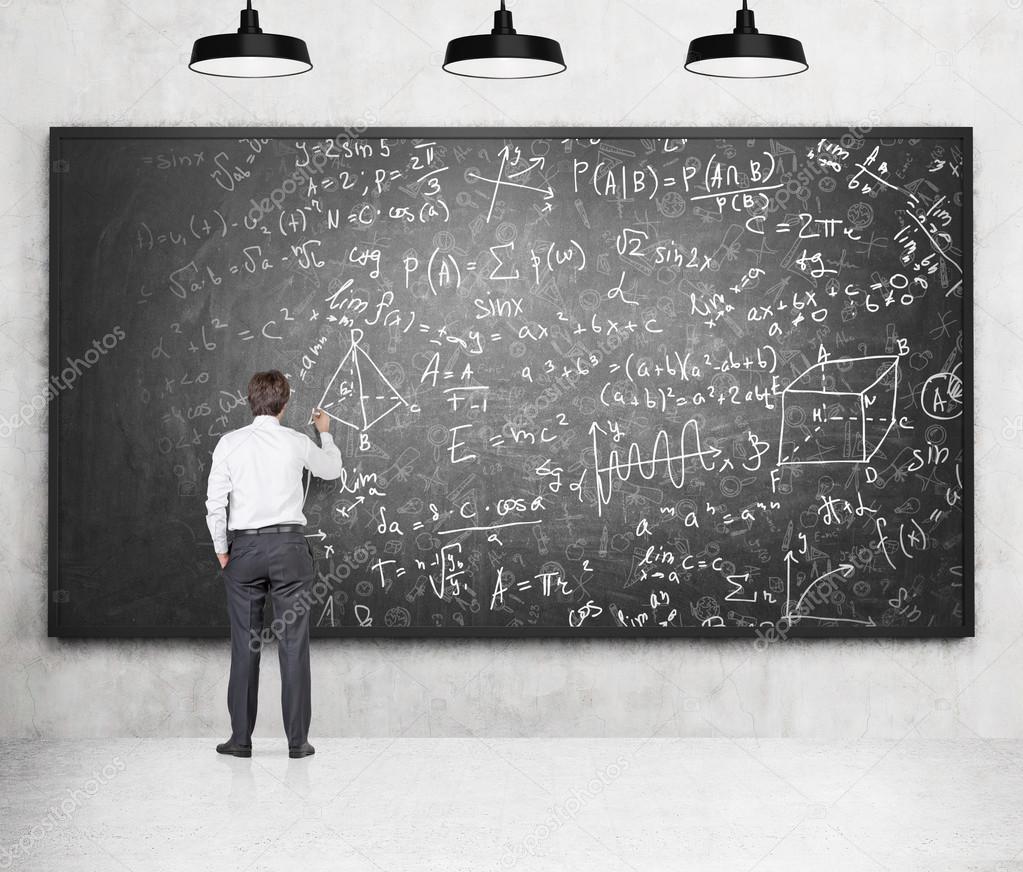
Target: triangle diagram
point(359, 395)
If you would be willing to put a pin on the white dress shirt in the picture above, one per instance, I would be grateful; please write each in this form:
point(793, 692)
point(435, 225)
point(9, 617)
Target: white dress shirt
point(258, 471)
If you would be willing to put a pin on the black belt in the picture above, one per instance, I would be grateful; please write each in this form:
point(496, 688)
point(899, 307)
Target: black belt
point(279, 528)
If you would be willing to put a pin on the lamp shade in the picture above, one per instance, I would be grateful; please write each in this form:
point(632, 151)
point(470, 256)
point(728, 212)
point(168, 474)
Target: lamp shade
point(503, 53)
point(250, 53)
point(746, 53)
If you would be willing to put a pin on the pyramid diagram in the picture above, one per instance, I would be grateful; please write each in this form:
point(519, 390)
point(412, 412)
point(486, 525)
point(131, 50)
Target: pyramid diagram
point(359, 395)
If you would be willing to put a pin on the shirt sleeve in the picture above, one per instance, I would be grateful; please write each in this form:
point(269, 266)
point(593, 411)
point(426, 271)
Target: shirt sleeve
point(218, 490)
point(325, 461)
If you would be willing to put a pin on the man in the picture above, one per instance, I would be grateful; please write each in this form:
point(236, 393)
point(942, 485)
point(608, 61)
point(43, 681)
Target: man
point(258, 471)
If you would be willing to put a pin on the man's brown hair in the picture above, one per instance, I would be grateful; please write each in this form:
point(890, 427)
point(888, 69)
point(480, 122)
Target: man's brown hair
point(268, 392)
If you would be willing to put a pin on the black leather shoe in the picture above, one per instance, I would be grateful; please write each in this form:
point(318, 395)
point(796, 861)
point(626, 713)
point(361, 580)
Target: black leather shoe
point(303, 750)
point(234, 750)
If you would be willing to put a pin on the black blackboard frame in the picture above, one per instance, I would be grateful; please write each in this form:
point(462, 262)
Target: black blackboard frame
point(57, 166)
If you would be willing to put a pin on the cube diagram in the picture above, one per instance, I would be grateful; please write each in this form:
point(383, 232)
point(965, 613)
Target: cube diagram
point(839, 411)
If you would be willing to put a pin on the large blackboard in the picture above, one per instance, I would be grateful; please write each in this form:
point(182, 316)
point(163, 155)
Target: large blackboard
point(625, 382)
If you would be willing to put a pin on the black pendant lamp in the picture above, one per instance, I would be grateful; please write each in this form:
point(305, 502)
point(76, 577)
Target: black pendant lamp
point(746, 53)
point(250, 53)
point(503, 53)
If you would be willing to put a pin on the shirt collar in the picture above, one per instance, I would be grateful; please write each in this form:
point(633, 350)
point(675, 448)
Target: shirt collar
point(266, 420)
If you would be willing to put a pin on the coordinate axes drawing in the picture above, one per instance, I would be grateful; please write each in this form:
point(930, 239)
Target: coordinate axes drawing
point(506, 181)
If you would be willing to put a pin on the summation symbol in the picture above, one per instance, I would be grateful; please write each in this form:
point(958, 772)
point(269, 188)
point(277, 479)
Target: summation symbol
point(359, 395)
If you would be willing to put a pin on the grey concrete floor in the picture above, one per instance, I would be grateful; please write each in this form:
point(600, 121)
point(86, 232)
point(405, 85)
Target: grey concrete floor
point(528, 804)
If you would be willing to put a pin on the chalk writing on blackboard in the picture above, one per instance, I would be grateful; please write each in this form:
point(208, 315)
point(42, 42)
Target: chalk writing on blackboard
point(639, 383)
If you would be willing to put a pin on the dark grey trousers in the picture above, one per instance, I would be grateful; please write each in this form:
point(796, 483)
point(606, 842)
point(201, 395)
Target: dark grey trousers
point(281, 565)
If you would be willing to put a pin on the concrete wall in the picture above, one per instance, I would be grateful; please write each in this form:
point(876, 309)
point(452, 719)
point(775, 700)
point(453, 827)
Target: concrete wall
point(895, 62)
